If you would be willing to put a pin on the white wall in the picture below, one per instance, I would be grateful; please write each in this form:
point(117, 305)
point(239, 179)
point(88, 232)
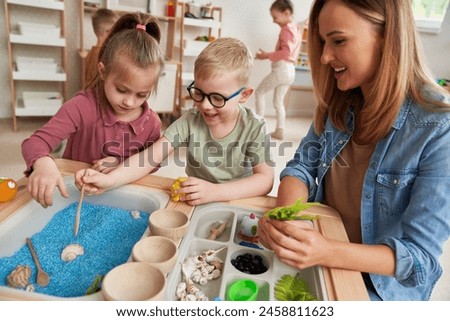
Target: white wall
point(247, 20)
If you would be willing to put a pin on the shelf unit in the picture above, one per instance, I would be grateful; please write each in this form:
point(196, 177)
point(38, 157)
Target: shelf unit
point(162, 103)
point(44, 9)
point(187, 47)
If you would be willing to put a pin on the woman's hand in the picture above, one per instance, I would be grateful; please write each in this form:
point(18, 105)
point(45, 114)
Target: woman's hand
point(105, 165)
point(295, 243)
point(43, 179)
point(196, 191)
point(94, 181)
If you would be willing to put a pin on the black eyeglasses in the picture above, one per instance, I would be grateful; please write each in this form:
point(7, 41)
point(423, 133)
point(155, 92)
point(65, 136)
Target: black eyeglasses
point(217, 100)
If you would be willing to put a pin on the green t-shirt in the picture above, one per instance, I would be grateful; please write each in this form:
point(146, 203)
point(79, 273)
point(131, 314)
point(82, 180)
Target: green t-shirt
point(221, 160)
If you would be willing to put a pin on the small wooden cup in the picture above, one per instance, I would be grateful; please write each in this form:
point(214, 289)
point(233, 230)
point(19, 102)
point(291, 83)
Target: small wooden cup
point(169, 223)
point(159, 251)
point(134, 281)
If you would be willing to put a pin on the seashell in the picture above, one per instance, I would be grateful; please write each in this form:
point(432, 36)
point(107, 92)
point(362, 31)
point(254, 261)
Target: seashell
point(205, 298)
point(71, 252)
point(204, 271)
point(199, 295)
point(181, 290)
point(203, 280)
point(136, 214)
point(192, 289)
point(191, 297)
point(211, 254)
point(218, 265)
point(210, 268)
point(216, 274)
point(30, 288)
point(19, 277)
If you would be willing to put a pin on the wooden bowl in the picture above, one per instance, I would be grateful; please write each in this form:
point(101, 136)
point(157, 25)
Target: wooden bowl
point(169, 223)
point(159, 251)
point(134, 281)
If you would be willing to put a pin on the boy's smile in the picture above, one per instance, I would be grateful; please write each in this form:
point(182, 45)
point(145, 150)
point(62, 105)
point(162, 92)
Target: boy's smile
point(225, 85)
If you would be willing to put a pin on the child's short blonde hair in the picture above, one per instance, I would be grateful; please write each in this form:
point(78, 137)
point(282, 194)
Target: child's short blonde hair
point(224, 55)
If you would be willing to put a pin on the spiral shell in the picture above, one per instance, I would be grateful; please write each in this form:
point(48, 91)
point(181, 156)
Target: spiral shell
point(71, 252)
point(19, 277)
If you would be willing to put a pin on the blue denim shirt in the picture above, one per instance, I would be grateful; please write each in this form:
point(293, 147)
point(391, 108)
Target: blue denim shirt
point(405, 197)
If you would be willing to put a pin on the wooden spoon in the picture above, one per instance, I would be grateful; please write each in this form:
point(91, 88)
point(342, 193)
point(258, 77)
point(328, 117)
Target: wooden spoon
point(42, 277)
point(77, 215)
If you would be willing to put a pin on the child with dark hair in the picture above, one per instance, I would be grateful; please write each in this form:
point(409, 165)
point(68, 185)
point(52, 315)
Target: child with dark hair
point(109, 121)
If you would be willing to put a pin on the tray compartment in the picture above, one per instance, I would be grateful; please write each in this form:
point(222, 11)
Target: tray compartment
point(213, 220)
point(195, 242)
point(193, 248)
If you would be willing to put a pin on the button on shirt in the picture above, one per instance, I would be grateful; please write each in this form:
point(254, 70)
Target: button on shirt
point(92, 133)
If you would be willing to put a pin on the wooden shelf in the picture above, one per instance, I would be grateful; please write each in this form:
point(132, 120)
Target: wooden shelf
point(28, 35)
point(44, 4)
point(37, 40)
point(206, 23)
point(39, 76)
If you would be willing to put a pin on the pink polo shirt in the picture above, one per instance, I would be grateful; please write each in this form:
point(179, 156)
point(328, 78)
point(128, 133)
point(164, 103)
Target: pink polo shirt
point(288, 44)
point(91, 133)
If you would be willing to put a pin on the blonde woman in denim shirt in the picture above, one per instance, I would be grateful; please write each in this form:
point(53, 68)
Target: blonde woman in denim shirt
point(378, 152)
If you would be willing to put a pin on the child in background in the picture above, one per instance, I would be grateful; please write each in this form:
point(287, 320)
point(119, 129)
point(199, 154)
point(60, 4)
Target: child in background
point(109, 121)
point(283, 64)
point(227, 146)
point(378, 152)
point(102, 22)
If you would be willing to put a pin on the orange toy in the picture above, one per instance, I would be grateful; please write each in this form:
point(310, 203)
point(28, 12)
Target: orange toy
point(8, 189)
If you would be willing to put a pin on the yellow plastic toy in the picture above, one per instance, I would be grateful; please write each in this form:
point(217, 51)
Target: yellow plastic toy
point(8, 189)
point(175, 187)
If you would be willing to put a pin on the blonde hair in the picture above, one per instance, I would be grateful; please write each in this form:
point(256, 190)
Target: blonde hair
point(126, 43)
point(222, 56)
point(402, 71)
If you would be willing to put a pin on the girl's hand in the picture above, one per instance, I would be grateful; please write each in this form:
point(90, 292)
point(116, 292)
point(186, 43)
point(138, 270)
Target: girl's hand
point(94, 181)
point(105, 165)
point(295, 243)
point(261, 54)
point(43, 179)
point(197, 191)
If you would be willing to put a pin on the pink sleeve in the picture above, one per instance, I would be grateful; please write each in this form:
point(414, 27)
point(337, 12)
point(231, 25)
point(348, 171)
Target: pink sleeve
point(59, 127)
point(285, 46)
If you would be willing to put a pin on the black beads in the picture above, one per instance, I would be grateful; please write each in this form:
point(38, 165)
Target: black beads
point(249, 263)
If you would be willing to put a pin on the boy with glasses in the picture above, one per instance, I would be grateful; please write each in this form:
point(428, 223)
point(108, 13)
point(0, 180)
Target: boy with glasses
point(228, 149)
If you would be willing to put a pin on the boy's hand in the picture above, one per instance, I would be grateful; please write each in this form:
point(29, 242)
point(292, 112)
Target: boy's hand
point(43, 179)
point(94, 181)
point(105, 165)
point(197, 191)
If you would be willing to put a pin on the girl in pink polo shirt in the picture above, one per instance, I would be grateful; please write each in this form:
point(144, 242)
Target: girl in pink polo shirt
point(111, 119)
point(283, 63)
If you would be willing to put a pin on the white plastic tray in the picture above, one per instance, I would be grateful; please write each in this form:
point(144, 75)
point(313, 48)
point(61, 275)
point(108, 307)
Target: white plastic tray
point(196, 241)
point(32, 218)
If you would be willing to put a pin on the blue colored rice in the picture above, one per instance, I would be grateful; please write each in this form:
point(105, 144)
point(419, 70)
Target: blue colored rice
point(107, 235)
